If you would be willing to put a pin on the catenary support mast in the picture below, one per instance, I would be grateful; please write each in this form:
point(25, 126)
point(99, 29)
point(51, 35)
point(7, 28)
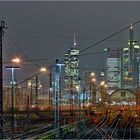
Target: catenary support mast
point(2, 26)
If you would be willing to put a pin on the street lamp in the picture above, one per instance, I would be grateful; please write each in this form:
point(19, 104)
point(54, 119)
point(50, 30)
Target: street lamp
point(102, 83)
point(92, 74)
point(13, 68)
point(43, 69)
point(16, 60)
point(105, 85)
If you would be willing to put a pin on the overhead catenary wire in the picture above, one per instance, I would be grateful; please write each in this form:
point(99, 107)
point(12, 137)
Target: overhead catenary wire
point(23, 53)
point(46, 59)
point(25, 62)
point(113, 34)
point(34, 60)
point(70, 36)
point(58, 35)
point(106, 38)
point(5, 48)
point(97, 43)
point(61, 35)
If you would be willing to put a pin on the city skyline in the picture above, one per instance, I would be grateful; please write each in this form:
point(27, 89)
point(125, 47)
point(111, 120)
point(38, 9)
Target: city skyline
point(69, 70)
point(41, 27)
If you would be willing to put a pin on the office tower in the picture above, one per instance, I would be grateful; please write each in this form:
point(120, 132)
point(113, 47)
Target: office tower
point(113, 70)
point(71, 68)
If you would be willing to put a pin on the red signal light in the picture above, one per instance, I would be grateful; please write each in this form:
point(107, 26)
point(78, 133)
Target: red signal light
point(94, 120)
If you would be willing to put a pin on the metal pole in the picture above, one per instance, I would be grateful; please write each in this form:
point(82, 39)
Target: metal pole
point(71, 97)
point(86, 86)
point(50, 90)
point(12, 68)
point(94, 94)
point(57, 96)
point(13, 119)
point(36, 94)
point(31, 93)
point(43, 87)
point(1, 87)
point(90, 87)
point(1, 80)
point(79, 102)
point(28, 109)
point(83, 98)
point(84, 115)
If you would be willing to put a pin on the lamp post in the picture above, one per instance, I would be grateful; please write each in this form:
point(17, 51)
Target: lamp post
point(57, 114)
point(79, 100)
point(94, 91)
point(92, 86)
point(102, 90)
point(50, 90)
point(13, 68)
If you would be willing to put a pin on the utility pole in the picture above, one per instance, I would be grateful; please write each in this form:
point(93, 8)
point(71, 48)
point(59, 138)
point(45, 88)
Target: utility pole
point(57, 114)
point(13, 68)
point(50, 89)
point(79, 100)
point(2, 26)
point(36, 93)
point(94, 93)
point(90, 93)
point(31, 93)
point(86, 85)
point(71, 97)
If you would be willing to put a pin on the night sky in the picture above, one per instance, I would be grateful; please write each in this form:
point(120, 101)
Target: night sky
point(44, 30)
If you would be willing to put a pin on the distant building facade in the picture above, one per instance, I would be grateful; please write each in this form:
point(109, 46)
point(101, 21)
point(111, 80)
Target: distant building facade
point(131, 64)
point(71, 68)
point(113, 70)
point(131, 68)
point(123, 66)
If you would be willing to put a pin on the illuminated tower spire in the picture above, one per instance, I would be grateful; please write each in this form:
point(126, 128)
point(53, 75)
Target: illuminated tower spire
point(74, 41)
point(131, 35)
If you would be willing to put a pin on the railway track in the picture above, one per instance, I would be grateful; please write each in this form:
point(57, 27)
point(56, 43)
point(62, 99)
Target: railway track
point(113, 128)
point(20, 132)
point(37, 132)
point(127, 133)
point(98, 128)
point(101, 132)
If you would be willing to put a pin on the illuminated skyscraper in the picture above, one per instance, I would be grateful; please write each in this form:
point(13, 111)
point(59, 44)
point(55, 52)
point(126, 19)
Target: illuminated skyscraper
point(123, 66)
point(131, 64)
point(113, 70)
point(131, 68)
point(71, 67)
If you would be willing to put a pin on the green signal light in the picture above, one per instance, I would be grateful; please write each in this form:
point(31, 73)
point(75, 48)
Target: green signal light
point(107, 49)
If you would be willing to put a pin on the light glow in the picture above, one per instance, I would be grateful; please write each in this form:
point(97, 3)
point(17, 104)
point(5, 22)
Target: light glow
point(137, 46)
point(16, 60)
point(93, 80)
point(43, 69)
point(92, 74)
point(102, 83)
